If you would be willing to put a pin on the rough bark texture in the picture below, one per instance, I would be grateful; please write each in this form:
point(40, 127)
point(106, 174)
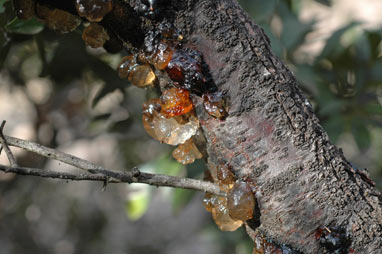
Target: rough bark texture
point(271, 138)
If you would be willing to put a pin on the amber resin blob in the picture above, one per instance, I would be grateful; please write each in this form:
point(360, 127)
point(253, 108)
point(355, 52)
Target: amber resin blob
point(221, 216)
point(240, 201)
point(172, 131)
point(214, 105)
point(175, 102)
point(140, 75)
point(95, 35)
point(229, 212)
point(186, 153)
point(93, 10)
point(56, 19)
point(161, 57)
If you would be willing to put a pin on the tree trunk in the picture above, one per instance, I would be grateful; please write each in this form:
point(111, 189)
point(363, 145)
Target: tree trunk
point(309, 197)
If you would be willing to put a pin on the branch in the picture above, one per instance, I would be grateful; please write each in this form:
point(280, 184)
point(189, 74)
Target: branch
point(8, 152)
point(55, 174)
point(99, 173)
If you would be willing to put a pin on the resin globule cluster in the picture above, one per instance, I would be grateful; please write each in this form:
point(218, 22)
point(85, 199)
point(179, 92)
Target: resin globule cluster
point(95, 35)
point(56, 19)
point(93, 10)
point(62, 21)
point(230, 211)
point(171, 118)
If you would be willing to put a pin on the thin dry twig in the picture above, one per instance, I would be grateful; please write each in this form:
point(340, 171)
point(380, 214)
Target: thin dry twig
point(54, 174)
point(8, 152)
point(105, 175)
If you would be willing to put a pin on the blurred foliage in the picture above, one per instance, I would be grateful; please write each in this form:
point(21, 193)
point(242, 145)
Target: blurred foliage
point(343, 82)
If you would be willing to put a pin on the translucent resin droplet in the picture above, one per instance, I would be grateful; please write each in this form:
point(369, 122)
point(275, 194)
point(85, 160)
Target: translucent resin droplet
point(161, 56)
point(93, 10)
point(172, 131)
point(187, 153)
point(175, 102)
point(241, 201)
point(221, 216)
point(95, 35)
point(151, 109)
point(208, 201)
point(57, 20)
point(24, 8)
point(141, 75)
point(213, 104)
point(126, 65)
point(262, 246)
point(176, 130)
point(225, 176)
point(185, 69)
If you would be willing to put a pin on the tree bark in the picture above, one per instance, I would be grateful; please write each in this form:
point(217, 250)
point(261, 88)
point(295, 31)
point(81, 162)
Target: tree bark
point(305, 188)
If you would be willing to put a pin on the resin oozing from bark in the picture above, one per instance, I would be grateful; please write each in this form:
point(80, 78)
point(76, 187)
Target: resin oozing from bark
point(221, 215)
point(140, 75)
point(95, 35)
point(334, 240)
point(185, 69)
point(213, 104)
point(225, 176)
point(263, 246)
point(186, 153)
point(231, 211)
point(240, 201)
point(56, 19)
point(161, 57)
point(175, 102)
point(174, 130)
point(93, 10)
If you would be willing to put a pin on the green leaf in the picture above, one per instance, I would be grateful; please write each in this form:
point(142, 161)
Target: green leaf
point(293, 32)
point(308, 78)
point(276, 45)
point(363, 51)
point(137, 201)
point(374, 108)
point(4, 50)
point(28, 27)
point(196, 169)
point(181, 198)
point(7, 14)
point(376, 73)
point(167, 165)
point(333, 45)
point(107, 74)
point(260, 10)
point(331, 107)
point(325, 2)
point(121, 126)
point(334, 127)
point(2, 8)
point(69, 60)
point(375, 37)
point(163, 165)
point(361, 134)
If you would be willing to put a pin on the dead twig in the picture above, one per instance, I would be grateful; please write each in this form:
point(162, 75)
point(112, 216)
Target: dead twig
point(99, 173)
point(8, 152)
